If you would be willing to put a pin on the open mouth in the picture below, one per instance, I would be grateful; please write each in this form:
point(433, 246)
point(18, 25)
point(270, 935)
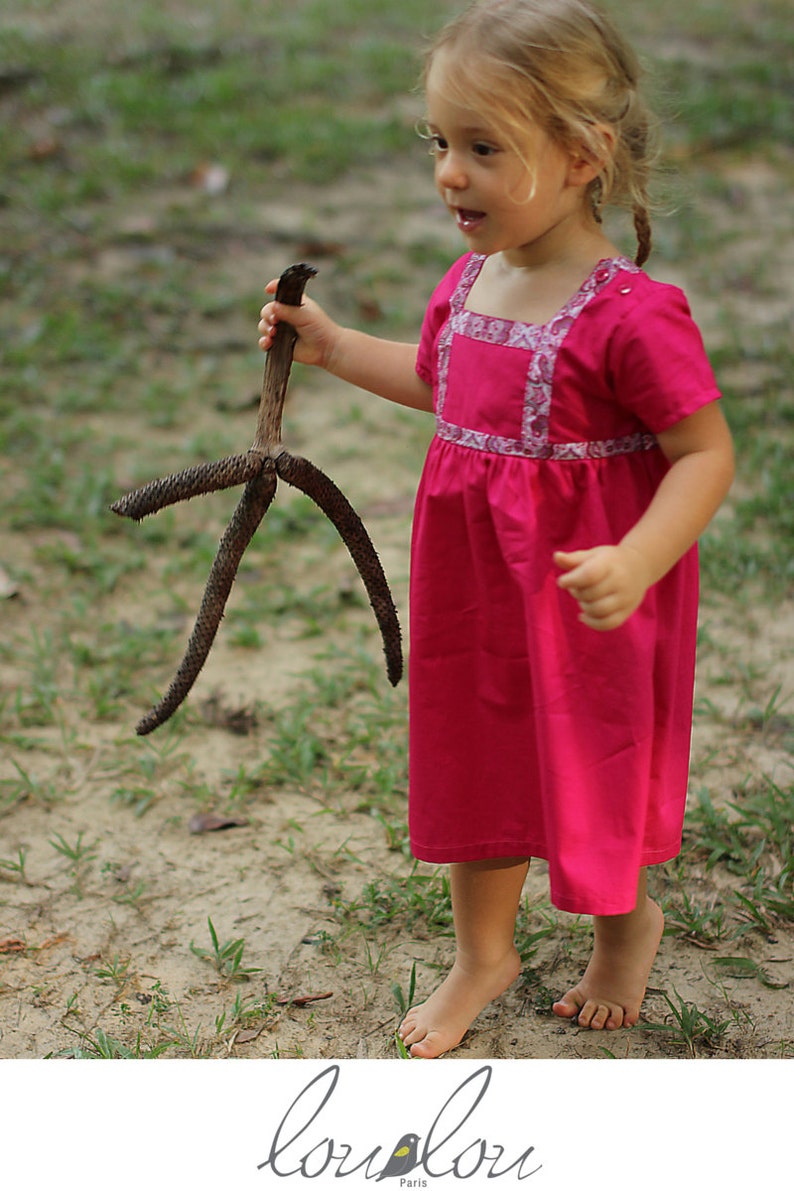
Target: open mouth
point(468, 220)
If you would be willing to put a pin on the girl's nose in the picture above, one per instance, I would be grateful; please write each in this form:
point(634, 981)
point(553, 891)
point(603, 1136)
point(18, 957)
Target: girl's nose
point(450, 171)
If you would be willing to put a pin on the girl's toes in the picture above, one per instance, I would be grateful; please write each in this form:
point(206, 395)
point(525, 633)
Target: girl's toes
point(430, 1047)
point(407, 1025)
point(421, 1050)
point(566, 1006)
point(601, 1018)
point(588, 1016)
point(410, 1032)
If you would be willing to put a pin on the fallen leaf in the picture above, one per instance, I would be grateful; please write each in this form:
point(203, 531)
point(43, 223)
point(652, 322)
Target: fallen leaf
point(243, 1036)
point(201, 823)
point(7, 946)
point(306, 999)
point(54, 941)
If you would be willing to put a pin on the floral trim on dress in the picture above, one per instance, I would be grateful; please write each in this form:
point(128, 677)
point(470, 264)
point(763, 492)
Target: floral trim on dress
point(544, 342)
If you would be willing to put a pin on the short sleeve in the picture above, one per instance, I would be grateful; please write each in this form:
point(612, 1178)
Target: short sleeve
point(436, 315)
point(658, 364)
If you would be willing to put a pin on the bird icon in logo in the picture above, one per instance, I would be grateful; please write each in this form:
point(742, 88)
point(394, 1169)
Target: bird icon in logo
point(403, 1159)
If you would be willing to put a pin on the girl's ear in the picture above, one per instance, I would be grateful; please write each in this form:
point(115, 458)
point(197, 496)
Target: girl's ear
point(585, 164)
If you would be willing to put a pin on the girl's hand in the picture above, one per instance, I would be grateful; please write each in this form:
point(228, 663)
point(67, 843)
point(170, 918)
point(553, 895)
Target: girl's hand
point(608, 583)
point(317, 333)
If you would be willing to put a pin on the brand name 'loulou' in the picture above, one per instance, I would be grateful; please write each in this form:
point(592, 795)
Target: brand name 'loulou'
point(298, 1149)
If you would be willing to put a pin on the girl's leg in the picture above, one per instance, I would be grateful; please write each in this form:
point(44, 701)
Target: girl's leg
point(611, 992)
point(485, 900)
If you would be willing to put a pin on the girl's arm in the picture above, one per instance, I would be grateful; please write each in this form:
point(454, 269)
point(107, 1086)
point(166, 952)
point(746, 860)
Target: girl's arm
point(382, 367)
point(610, 582)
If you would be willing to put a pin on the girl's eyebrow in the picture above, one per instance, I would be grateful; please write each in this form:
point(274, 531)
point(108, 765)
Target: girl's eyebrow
point(474, 131)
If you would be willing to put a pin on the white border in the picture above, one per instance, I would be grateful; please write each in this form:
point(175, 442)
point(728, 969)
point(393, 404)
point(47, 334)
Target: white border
point(651, 1124)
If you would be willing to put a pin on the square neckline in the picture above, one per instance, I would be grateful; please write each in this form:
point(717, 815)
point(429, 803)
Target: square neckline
point(540, 344)
point(601, 273)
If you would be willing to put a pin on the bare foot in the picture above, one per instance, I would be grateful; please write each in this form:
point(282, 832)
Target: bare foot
point(439, 1023)
point(611, 992)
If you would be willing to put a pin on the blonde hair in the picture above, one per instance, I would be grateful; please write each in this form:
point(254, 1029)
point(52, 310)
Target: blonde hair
point(560, 64)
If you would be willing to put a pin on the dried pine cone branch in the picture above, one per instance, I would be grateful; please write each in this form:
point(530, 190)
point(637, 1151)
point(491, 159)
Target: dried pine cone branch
point(338, 509)
point(258, 470)
point(182, 485)
point(245, 521)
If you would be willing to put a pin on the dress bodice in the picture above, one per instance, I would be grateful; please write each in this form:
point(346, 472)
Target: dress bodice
point(503, 401)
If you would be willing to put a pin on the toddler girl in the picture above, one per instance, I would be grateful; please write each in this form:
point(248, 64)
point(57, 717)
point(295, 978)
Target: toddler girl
point(579, 453)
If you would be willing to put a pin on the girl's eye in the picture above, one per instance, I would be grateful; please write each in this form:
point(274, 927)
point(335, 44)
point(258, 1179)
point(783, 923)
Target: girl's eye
point(438, 144)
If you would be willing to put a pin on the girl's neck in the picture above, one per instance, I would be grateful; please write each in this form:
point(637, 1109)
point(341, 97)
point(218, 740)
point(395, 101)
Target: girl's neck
point(533, 292)
point(571, 247)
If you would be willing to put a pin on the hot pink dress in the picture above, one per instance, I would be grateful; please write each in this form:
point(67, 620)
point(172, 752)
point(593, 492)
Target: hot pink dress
point(531, 734)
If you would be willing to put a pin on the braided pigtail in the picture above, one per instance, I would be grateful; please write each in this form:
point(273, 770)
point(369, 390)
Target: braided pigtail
point(642, 226)
point(629, 172)
point(640, 141)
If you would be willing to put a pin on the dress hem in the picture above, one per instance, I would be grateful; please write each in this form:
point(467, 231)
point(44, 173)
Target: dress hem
point(571, 905)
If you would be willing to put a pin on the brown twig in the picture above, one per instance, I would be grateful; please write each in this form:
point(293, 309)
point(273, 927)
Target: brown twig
point(267, 440)
point(259, 469)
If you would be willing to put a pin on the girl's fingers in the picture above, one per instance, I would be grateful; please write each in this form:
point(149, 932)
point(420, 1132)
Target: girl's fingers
point(267, 325)
point(600, 609)
point(585, 578)
point(603, 624)
point(583, 569)
point(266, 329)
point(598, 592)
point(566, 561)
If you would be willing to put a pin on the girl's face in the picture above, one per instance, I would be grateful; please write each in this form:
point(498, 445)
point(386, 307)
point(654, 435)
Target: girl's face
point(497, 201)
